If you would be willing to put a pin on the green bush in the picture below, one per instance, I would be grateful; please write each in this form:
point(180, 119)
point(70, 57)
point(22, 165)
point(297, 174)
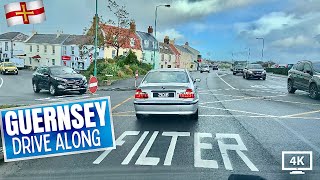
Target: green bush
point(282, 71)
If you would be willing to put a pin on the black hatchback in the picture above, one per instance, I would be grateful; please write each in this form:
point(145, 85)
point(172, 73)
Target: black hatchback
point(58, 79)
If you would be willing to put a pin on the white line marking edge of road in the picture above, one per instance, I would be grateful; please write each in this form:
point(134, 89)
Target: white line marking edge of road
point(224, 81)
point(1, 82)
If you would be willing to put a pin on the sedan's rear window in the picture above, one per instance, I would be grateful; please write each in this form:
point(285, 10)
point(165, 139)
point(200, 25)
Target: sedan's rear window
point(167, 77)
point(255, 66)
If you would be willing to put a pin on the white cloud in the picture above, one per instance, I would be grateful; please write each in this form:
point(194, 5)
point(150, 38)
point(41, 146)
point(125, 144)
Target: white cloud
point(268, 23)
point(172, 33)
point(296, 41)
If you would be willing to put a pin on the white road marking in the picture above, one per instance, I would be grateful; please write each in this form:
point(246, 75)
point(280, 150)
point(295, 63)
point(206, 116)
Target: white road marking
point(246, 98)
point(170, 152)
point(1, 82)
point(133, 151)
point(143, 159)
point(119, 142)
point(239, 147)
point(225, 82)
point(246, 112)
point(198, 161)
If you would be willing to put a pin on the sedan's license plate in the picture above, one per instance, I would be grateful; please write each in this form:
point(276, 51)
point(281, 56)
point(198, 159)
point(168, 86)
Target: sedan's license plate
point(163, 95)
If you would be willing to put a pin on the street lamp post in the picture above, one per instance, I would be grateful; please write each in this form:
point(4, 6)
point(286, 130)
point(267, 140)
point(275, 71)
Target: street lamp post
point(155, 31)
point(262, 46)
point(96, 40)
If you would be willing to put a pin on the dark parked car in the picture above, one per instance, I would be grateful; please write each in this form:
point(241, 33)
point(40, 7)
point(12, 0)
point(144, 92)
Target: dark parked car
point(254, 71)
point(58, 79)
point(305, 76)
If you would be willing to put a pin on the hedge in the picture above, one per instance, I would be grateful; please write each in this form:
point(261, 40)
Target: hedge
point(282, 71)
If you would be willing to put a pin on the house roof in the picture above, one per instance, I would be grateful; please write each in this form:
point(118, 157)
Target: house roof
point(14, 36)
point(124, 35)
point(174, 49)
point(48, 38)
point(165, 48)
point(77, 40)
point(183, 49)
point(147, 40)
point(192, 49)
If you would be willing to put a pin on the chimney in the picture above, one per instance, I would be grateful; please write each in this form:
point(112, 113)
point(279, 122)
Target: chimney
point(133, 26)
point(172, 41)
point(150, 30)
point(166, 40)
point(59, 33)
point(187, 44)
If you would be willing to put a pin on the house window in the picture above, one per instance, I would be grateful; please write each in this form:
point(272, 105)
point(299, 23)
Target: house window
point(146, 43)
point(169, 58)
point(162, 57)
point(143, 56)
point(64, 50)
point(161, 66)
point(53, 62)
point(30, 48)
point(53, 49)
point(38, 48)
point(169, 66)
point(132, 42)
point(6, 46)
point(113, 53)
point(72, 50)
point(45, 48)
point(30, 60)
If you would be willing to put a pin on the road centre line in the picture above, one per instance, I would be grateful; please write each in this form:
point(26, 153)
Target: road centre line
point(225, 81)
point(116, 106)
point(1, 82)
point(246, 112)
point(301, 114)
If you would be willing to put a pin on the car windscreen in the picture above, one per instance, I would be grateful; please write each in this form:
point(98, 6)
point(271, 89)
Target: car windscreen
point(8, 65)
point(167, 77)
point(255, 66)
point(316, 67)
point(61, 71)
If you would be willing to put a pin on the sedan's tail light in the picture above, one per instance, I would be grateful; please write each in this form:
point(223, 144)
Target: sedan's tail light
point(141, 95)
point(188, 94)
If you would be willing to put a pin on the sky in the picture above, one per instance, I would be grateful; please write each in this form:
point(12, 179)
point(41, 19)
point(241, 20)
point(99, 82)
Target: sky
point(219, 29)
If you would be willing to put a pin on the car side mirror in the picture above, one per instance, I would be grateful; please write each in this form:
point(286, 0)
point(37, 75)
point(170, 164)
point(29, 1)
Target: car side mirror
point(309, 72)
point(197, 80)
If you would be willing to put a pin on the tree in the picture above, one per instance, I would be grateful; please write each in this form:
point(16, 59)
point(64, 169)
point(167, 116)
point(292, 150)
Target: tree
point(120, 35)
point(90, 32)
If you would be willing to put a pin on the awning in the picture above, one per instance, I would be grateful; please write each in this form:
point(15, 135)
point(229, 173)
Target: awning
point(36, 57)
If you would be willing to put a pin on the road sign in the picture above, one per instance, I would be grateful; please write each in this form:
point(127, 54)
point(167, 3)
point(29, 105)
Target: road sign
point(92, 131)
point(93, 84)
point(137, 74)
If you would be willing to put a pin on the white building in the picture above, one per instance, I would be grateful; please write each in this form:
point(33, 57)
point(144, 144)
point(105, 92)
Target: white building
point(60, 50)
point(12, 45)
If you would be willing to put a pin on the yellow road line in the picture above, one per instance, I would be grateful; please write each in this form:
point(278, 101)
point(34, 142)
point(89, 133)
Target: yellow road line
point(301, 114)
point(116, 106)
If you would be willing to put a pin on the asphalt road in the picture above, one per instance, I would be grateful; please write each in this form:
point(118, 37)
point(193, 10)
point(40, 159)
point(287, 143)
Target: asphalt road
point(243, 128)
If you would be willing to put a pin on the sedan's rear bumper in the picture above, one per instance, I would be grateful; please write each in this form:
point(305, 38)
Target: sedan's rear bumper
point(177, 108)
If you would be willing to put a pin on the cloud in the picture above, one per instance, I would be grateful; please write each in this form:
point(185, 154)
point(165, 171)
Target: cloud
point(268, 23)
point(172, 33)
point(296, 41)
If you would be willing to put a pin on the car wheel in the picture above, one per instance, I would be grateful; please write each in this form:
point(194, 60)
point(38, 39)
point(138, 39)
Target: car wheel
point(200, 71)
point(264, 78)
point(314, 92)
point(53, 90)
point(17, 73)
point(290, 88)
point(36, 88)
point(140, 116)
point(194, 116)
point(247, 77)
point(82, 91)
point(234, 73)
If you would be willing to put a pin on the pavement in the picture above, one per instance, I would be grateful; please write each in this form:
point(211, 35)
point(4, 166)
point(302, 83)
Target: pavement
point(244, 126)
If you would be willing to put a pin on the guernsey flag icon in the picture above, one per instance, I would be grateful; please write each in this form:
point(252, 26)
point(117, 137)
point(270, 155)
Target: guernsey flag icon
point(25, 13)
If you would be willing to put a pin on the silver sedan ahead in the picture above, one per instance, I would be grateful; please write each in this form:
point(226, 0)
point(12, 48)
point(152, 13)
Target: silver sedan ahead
point(167, 92)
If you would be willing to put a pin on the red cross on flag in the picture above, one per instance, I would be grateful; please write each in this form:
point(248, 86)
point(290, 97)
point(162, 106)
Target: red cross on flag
point(25, 13)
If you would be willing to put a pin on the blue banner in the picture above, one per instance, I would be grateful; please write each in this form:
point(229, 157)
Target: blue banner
point(57, 129)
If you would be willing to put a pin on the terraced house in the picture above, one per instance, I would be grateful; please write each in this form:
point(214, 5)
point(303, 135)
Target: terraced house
point(122, 38)
point(12, 45)
point(167, 56)
point(150, 47)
